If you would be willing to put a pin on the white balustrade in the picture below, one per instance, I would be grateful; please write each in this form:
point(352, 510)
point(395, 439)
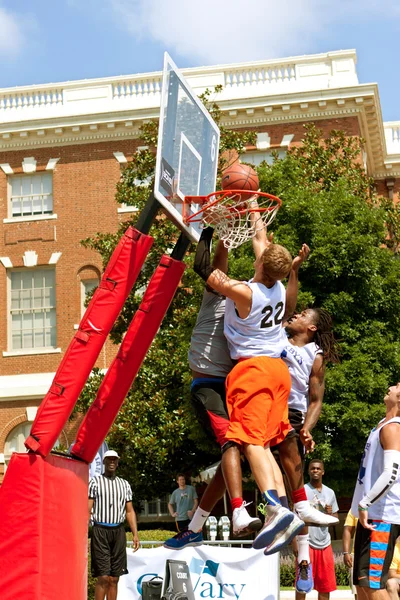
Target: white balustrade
point(142, 91)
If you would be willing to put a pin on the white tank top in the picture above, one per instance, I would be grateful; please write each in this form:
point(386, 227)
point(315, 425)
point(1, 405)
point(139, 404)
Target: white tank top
point(260, 334)
point(388, 507)
point(300, 360)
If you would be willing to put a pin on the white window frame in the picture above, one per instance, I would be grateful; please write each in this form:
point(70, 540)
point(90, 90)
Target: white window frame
point(87, 285)
point(32, 310)
point(256, 157)
point(31, 216)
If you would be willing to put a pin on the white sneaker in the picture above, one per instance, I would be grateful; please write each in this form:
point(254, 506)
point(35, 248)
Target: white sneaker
point(278, 518)
point(312, 516)
point(283, 538)
point(242, 520)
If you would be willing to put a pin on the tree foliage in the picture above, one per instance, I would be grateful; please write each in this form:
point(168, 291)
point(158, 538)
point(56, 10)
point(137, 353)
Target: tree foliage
point(353, 272)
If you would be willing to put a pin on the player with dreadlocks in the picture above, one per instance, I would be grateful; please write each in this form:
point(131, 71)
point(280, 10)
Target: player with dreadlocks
point(309, 347)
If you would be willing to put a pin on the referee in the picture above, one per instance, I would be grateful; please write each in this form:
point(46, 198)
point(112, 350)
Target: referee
point(110, 502)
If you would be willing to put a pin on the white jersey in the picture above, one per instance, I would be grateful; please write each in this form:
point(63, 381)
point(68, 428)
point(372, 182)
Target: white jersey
point(388, 507)
point(260, 334)
point(300, 360)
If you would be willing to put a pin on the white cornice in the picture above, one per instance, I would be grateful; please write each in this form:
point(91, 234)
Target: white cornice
point(261, 93)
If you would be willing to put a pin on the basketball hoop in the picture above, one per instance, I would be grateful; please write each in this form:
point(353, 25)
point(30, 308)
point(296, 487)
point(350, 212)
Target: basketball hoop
point(236, 215)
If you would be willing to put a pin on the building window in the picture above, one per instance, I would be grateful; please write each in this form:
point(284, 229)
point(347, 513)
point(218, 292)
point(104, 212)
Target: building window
point(31, 195)
point(33, 309)
point(87, 286)
point(256, 158)
point(15, 440)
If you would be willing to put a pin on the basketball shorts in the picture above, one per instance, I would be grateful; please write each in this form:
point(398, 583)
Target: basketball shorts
point(108, 551)
point(323, 567)
point(373, 553)
point(257, 400)
point(208, 400)
point(296, 420)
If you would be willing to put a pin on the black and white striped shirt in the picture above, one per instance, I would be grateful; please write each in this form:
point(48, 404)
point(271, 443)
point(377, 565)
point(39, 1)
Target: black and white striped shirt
point(110, 495)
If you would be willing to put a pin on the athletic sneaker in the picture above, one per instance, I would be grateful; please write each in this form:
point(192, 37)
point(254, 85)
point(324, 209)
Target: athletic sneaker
point(278, 519)
point(242, 522)
point(183, 539)
point(283, 538)
point(304, 577)
point(312, 516)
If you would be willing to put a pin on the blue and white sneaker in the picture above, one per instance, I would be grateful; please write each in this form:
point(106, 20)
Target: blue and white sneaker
point(304, 577)
point(183, 539)
point(283, 538)
point(279, 519)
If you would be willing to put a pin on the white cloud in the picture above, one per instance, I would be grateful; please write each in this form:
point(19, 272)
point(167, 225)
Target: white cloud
point(12, 37)
point(215, 31)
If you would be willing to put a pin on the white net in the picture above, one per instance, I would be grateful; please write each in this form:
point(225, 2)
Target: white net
point(235, 219)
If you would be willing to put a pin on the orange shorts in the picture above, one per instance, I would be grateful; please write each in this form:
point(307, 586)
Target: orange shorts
point(257, 391)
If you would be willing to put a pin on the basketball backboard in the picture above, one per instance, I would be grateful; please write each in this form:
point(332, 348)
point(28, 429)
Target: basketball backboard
point(187, 151)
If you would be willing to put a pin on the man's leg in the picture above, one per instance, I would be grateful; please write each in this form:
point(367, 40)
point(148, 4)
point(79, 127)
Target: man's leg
point(102, 587)
point(293, 466)
point(323, 596)
point(393, 588)
point(113, 588)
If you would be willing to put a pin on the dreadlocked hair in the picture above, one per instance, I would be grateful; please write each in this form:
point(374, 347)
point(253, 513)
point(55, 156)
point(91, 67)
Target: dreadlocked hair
point(323, 337)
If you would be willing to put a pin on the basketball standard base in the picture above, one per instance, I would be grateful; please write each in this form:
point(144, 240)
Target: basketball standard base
point(43, 529)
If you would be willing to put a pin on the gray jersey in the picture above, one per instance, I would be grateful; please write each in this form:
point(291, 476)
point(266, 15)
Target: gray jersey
point(320, 537)
point(208, 353)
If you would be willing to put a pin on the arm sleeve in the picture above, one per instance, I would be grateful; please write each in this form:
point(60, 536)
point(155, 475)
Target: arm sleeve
point(92, 489)
point(335, 506)
point(172, 498)
point(391, 462)
point(128, 492)
point(202, 259)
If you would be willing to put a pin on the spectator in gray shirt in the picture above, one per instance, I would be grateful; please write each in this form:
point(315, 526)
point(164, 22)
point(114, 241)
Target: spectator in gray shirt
point(182, 503)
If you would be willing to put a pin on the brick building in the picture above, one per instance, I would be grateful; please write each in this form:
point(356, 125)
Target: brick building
point(61, 150)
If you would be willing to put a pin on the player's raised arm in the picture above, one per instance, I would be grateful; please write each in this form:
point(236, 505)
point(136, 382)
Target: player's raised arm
point(260, 239)
point(293, 283)
point(217, 279)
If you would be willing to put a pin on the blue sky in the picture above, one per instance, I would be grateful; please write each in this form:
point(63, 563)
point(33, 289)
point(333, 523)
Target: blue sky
point(58, 40)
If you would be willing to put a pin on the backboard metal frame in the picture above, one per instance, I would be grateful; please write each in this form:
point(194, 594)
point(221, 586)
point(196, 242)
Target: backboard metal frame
point(165, 176)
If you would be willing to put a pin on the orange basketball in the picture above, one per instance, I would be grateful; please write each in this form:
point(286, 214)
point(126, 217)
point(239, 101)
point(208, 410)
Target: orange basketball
point(240, 177)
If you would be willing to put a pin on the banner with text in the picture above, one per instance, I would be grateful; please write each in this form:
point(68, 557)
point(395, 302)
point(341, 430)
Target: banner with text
point(216, 572)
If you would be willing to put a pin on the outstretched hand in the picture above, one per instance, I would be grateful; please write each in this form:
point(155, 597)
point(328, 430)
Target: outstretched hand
point(301, 257)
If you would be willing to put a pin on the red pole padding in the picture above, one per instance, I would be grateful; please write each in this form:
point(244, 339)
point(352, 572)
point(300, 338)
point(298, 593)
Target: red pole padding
point(126, 364)
point(108, 299)
point(43, 528)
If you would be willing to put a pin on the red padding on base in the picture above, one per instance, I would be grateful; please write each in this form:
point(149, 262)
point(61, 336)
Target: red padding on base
point(108, 299)
point(125, 366)
point(43, 529)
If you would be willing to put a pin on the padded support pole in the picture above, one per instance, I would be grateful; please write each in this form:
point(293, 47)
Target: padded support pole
point(124, 368)
point(80, 357)
point(43, 528)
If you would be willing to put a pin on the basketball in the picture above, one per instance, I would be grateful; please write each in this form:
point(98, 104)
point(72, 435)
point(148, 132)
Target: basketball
point(240, 177)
